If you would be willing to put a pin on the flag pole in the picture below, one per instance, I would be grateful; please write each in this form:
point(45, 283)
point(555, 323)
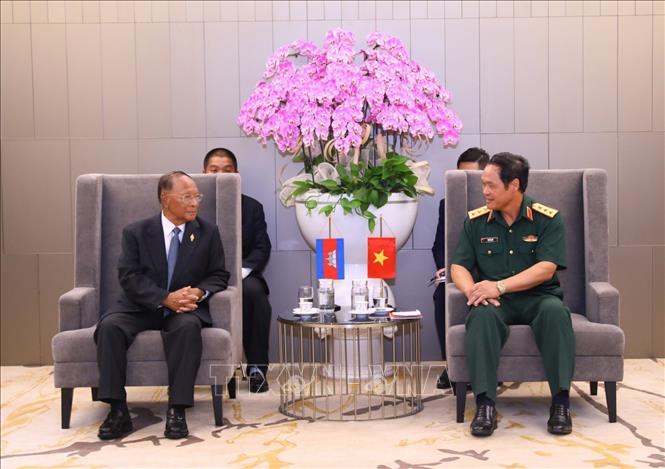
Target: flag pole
point(329, 227)
point(381, 226)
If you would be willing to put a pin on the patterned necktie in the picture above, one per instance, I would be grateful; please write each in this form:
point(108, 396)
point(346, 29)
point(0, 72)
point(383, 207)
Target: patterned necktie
point(173, 254)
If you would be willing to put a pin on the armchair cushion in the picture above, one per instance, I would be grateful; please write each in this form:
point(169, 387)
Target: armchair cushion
point(591, 339)
point(79, 346)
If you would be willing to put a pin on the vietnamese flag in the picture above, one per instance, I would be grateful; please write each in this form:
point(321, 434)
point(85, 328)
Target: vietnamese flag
point(330, 258)
point(381, 257)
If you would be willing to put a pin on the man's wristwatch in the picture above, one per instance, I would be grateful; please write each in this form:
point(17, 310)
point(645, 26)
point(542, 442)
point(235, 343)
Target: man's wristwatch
point(501, 287)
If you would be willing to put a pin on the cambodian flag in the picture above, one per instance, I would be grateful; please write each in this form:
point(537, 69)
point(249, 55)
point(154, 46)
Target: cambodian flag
point(330, 258)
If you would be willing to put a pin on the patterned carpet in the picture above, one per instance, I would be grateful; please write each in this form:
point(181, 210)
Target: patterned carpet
point(256, 435)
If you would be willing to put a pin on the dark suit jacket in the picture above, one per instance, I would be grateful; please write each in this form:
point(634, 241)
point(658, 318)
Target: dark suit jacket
point(439, 248)
point(143, 271)
point(255, 241)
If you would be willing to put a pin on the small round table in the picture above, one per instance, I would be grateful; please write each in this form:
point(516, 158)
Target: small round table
point(338, 367)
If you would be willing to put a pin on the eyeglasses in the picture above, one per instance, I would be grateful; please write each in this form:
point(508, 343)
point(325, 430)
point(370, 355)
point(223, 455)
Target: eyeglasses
point(188, 199)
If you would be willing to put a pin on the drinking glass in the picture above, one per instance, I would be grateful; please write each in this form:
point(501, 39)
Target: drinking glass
point(326, 295)
point(380, 296)
point(305, 298)
point(359, 294)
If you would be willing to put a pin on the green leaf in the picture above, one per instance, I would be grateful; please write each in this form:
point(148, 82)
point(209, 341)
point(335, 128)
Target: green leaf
point(299, 191)
point(360, 194)
point(311, 204)
point(374, 197)
point(383, 199)
point(329, 184)
point(327, 209)
point(355, 203)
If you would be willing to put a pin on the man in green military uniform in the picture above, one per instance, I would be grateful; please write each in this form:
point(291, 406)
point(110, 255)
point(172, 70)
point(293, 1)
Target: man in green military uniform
point(516, 246)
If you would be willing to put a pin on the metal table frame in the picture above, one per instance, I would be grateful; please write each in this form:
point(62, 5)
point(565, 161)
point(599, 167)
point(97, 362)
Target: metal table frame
point(318, 381)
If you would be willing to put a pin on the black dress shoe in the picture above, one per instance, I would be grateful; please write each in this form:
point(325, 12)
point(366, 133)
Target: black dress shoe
point(484, 422)
point(560, 422)
point(176, 425)
point(257, 382)
point(443, 382)
point(118, 423)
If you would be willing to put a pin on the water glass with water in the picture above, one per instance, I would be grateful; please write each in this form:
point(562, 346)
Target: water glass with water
point(380, 296)
point(326, 295)
point(359, 295)
point(305, 297)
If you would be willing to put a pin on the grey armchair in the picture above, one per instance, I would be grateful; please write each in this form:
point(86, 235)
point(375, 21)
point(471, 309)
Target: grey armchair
point(581, 196)
point(104, 205)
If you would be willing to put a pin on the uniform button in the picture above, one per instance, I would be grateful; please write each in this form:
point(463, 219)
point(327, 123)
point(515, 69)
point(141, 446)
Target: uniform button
point(510, 231)
point(510, 252)
point(489, 251)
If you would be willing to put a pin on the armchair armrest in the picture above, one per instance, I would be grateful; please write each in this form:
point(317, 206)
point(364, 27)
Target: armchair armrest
point(225, 310)
point(602, 303)
point(456, 308)
point(74, 305)
point(226, 313)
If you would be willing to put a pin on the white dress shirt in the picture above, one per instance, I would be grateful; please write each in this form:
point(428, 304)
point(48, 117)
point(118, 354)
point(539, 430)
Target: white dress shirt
point(167, 226)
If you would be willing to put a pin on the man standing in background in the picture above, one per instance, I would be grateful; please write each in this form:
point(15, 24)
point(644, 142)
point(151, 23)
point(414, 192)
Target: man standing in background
point(256, 309)
point(472, 159)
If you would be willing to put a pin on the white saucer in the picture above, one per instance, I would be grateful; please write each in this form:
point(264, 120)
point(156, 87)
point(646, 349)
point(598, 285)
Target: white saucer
point(362, 316)
point(309, 312)
point(381, 312)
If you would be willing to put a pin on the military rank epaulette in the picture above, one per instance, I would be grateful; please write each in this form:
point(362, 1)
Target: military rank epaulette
point(478, 212)
point(545, 210)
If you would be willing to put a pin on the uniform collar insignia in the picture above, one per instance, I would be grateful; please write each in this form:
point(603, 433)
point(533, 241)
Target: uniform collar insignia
point(529, 213)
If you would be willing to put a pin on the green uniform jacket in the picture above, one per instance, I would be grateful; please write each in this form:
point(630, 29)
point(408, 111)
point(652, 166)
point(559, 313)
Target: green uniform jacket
point(498, 251)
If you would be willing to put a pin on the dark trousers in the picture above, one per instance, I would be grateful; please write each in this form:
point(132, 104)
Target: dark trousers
point(256, 312)
point(487, 331)
point(440, 316)
point(181, 335)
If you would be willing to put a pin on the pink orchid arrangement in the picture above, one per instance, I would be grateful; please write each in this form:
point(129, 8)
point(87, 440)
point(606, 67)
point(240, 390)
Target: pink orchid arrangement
point(338, 93)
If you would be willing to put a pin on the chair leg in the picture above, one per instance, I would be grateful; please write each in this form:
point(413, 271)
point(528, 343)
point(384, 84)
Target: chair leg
point(94, 394)
point(460, 397)
point(66, 398)
point(232, 385)
point(611, 397)
point(217, 391)
point(594, 387)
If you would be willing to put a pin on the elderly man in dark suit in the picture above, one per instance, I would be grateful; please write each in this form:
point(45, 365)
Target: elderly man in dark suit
point(169, 266)
point(256, 309)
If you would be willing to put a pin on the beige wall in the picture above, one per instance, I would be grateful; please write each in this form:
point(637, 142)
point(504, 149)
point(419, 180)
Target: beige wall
point(126, 87)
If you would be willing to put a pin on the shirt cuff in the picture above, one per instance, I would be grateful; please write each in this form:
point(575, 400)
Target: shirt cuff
point(246, 272)
point(206, 293)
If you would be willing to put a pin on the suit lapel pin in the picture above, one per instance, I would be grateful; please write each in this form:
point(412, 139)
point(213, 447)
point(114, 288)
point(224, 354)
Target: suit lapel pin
point(192, 237)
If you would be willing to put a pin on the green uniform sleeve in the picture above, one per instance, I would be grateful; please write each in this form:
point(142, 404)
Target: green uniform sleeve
point(552, 243)
point(465, 254)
